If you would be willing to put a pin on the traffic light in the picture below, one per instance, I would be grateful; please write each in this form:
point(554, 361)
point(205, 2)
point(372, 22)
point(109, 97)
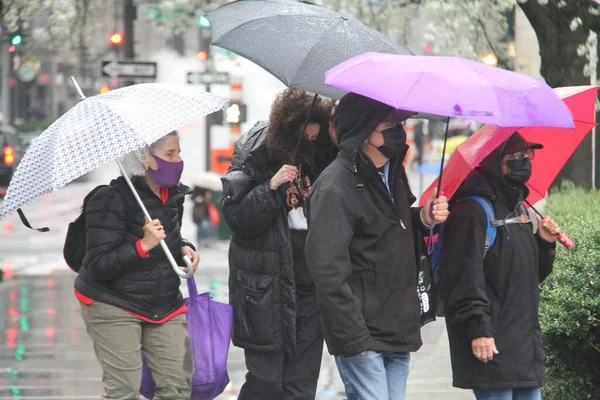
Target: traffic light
point(16, 39)
point(203, 48)
point(116, 39)
point(203, 22)
point(204, 38)
point(104, 89)
point(235, 113)
point(202, 55)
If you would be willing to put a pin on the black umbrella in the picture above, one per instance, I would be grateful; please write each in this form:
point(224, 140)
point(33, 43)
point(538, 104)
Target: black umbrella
point(295, 41)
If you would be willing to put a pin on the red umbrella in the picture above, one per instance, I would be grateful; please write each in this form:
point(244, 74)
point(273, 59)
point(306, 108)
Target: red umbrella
point(559, 145)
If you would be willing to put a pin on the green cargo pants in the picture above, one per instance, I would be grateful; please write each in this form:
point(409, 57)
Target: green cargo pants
point(119, 339)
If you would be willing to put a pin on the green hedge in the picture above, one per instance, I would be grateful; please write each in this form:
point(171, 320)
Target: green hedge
point(570, 304)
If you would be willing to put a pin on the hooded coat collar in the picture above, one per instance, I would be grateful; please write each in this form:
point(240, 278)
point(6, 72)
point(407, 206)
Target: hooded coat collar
point(355, 119)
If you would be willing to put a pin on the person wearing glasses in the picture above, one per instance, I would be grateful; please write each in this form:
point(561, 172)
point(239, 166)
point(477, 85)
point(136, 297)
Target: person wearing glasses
point(491, 296)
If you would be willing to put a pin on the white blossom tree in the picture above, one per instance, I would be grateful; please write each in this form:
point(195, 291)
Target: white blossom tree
point(178, 16)
point(466, 28)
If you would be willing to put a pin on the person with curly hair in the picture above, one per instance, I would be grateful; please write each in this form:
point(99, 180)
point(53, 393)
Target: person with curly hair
point(277, 321)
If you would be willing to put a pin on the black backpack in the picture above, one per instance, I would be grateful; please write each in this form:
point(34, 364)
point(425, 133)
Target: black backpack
point(75, 242)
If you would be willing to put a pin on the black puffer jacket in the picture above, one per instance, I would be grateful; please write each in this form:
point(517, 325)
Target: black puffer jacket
point(112, 271)
point(262, 284)
point(360, 248)
point(497, 296)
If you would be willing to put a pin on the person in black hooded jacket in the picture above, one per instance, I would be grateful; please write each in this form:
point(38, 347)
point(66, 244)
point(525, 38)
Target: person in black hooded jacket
point(276, 318)
point(361, 251)
point(491, 299)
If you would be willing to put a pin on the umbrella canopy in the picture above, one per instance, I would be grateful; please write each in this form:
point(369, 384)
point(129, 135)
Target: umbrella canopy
point(453, 87)
point(100, 129)
point(295, 41)
point(209, 180)
point(453, 142)
point(559, 145)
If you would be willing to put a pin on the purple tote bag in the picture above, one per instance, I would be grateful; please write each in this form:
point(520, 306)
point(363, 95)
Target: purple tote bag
point(209, 325)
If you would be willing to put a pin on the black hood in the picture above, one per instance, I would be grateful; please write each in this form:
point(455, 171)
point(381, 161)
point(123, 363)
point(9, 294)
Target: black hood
point(487, 180)
point(357, 117)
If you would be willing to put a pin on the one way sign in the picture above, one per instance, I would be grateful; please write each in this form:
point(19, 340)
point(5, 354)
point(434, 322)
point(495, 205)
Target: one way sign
point(207, 78)
point(129, 69)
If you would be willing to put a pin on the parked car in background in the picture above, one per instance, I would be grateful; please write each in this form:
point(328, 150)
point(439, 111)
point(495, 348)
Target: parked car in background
point(11, 153)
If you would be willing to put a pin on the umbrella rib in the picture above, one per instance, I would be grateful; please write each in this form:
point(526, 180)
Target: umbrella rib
point(409, 92)
point(123, 122)
point(340, 21)
point(484, 78)
point(248, 56)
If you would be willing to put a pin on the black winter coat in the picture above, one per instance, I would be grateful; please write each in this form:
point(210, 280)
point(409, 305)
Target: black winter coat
point(261, 279)
point(112, 271)
point(360, 248)
point(496, 296)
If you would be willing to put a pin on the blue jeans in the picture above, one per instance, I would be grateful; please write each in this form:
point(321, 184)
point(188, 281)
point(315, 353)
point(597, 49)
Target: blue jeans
point(374, 376)
point(509, 394)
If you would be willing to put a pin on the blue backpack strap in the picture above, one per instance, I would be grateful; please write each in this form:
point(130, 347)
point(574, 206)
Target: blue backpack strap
point(437, 252)
point(490, 232)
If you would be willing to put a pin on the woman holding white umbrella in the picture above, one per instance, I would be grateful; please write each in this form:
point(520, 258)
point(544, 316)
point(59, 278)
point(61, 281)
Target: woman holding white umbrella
point(129, 288)
point(129, 294)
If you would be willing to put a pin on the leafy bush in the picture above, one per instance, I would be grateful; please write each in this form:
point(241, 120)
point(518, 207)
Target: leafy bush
point(570, 304)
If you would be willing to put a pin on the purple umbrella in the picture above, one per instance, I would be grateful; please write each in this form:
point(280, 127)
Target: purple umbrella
point(452, 87)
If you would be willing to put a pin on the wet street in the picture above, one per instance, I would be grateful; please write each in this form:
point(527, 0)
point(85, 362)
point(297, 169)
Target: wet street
point(45, 352)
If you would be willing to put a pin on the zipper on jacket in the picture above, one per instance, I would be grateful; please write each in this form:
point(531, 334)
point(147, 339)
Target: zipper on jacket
point(390, 196)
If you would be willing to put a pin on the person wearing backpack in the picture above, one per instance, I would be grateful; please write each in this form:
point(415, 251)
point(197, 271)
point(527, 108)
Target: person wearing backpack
point(491, 296)
point(129, 294)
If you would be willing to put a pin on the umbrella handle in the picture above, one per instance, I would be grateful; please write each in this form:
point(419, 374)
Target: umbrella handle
point(163, 244)
point(566, 241)
point(562, 238)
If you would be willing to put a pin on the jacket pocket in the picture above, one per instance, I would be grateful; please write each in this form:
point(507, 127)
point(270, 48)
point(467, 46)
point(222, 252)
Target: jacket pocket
point(254, 308)
point(366, 280)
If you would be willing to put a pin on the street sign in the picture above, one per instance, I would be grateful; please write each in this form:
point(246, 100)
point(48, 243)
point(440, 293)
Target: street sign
point(129, 69)
point(207, 78)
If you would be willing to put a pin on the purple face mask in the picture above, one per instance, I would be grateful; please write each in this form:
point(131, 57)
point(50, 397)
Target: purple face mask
point(168, 173)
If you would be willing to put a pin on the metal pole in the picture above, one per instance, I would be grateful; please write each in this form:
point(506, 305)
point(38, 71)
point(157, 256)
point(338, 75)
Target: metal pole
point(129, 12)
point(593, 82)
point(209, 122)
point(53, 87)
point(6, 61)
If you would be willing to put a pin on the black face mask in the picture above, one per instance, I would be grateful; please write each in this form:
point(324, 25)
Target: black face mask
point(394, 142)
point(519, 171)
point(306, 147)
